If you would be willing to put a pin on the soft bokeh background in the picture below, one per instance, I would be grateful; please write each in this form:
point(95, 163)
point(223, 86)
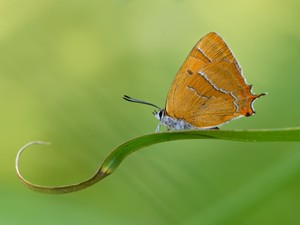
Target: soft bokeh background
point(64, 66)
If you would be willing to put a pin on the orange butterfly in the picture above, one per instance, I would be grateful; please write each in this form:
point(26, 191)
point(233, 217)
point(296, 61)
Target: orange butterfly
point(208, 90)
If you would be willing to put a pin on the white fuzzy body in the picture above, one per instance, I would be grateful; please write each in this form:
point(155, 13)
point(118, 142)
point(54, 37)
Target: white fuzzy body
point(172, 123)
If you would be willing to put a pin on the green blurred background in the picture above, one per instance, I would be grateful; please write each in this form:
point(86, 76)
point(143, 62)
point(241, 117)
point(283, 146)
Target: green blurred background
point(64, 66)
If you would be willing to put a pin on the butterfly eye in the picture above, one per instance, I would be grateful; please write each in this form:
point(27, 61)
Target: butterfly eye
point(160, 114)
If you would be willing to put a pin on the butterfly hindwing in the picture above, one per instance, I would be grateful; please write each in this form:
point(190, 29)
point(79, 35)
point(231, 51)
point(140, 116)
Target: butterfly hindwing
point(209, 88)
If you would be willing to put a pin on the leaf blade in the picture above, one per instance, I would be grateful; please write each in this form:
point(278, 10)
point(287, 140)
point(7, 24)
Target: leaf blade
point(116, 157)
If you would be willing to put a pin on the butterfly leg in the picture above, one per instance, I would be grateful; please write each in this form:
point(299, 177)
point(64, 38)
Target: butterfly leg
point(158, 128)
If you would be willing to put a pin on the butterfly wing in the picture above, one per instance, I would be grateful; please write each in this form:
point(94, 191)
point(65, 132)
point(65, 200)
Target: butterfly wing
point(209, 88)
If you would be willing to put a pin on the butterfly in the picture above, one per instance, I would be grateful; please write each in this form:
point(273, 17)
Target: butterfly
point(208, 90)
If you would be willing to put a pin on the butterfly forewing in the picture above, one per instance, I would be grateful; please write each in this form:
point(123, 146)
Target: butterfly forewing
point(209, 88)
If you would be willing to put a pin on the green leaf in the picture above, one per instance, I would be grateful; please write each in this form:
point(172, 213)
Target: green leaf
point(111, 163)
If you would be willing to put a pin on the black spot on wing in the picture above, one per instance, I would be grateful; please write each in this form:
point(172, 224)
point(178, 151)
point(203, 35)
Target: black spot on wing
point(190, 72)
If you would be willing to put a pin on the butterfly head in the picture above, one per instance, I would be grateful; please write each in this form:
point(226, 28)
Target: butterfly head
point(159, 114)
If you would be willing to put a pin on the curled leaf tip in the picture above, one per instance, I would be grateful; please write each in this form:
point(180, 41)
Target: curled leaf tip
point(55, 189)
point(21, 151)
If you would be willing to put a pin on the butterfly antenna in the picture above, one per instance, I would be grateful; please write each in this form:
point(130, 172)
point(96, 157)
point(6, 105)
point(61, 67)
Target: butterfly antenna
point(127, 98)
